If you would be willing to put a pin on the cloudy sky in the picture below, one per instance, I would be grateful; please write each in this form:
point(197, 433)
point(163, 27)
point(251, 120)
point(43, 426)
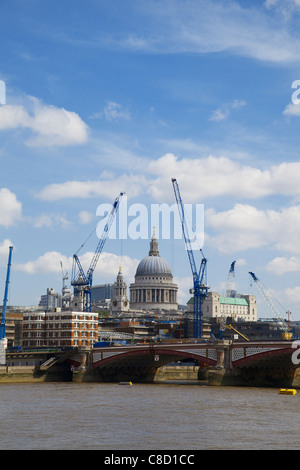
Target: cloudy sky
point(103, 97)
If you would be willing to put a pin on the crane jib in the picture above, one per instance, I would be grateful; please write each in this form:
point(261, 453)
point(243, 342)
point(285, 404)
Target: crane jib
point(79, 278)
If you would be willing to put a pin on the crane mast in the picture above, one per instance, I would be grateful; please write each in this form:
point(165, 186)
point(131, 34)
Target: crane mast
point(5, 300)
point(199, 277)
point(83, 281)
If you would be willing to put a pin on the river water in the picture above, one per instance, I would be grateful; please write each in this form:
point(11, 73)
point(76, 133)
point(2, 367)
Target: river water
point(69, 416)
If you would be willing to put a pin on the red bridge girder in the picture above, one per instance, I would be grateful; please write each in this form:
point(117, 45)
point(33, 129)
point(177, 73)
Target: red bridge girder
point(264, 354)
point(237, 355)
point(154, 355)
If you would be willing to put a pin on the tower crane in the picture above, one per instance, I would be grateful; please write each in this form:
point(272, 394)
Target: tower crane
point(199, 277)
point(64, 276)
point(270, 299)
point(3, 318)
point(230, 292)
point(65, 292)
point(82, 281)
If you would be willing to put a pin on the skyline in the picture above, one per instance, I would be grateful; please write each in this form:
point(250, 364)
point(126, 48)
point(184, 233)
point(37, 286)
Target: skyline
point(104, 98)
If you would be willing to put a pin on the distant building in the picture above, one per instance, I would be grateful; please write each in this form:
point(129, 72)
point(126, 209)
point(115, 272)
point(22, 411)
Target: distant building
point(240, 308)
point(13, 324)
point(50, 300)
point(101, 292)
point(59, 328)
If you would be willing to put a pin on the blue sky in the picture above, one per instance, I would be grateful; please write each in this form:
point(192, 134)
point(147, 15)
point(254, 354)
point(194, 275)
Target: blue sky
point(104, 97)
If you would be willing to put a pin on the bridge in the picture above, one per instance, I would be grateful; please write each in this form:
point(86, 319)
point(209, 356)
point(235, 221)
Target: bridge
point(225, 362)
point(255, 363)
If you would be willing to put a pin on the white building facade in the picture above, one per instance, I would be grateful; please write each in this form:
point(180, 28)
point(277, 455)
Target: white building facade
point(241, 308)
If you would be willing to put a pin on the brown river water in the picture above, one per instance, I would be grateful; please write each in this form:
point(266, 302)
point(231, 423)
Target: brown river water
point(71, 416)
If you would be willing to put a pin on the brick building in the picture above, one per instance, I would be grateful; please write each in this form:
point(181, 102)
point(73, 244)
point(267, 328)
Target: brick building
point(14, 324)
point(60, 328)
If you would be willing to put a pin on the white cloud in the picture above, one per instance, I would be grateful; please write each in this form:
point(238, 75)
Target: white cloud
point(225, 111)
point(285, 7)
point(44, 264)
point(240, 262)
point(238, 104)
point(219, 115)
point(131, 184)
point(85, 217)
point(219, 177)
point(203, 178)
point(12, 116)
point(282, 265)
point(51, 126)
point(246, 227)
point(49, 220)
point(56, 126)
point(184, 286)
point(10, 208)
point(293, 295)
point(206, 26)
point(115, 112)
point(107, 267)
point(292, 110)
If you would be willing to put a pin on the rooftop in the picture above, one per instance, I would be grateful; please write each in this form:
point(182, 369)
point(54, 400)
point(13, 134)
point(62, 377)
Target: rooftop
point(233, 301)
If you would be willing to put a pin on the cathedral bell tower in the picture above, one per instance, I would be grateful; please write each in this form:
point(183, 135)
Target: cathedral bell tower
point(119, 303)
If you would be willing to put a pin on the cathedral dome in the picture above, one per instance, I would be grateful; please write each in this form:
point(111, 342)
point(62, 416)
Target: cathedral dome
point(153, 288)
point(153, 265)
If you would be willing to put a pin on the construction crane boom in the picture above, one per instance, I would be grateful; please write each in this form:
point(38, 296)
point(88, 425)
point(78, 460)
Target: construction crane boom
point(199, 278)
point(85, 281)
point(270, 299)
point(230, 327)
point(5, 300)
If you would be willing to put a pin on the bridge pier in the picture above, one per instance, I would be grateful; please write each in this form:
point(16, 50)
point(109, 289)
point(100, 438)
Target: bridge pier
point(84, 370)
point(221, 373)
point(265, 370)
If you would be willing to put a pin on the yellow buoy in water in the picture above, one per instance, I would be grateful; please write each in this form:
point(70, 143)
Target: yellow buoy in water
point(288, 391)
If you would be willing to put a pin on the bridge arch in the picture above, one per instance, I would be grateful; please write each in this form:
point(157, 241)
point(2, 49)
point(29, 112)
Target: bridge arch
point(144, 360)
point(271, 355)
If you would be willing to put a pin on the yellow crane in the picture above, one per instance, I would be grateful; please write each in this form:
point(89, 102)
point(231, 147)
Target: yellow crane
point(230, 327)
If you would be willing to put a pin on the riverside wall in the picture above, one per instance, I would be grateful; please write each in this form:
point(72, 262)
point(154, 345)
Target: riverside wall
point(33, 374)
